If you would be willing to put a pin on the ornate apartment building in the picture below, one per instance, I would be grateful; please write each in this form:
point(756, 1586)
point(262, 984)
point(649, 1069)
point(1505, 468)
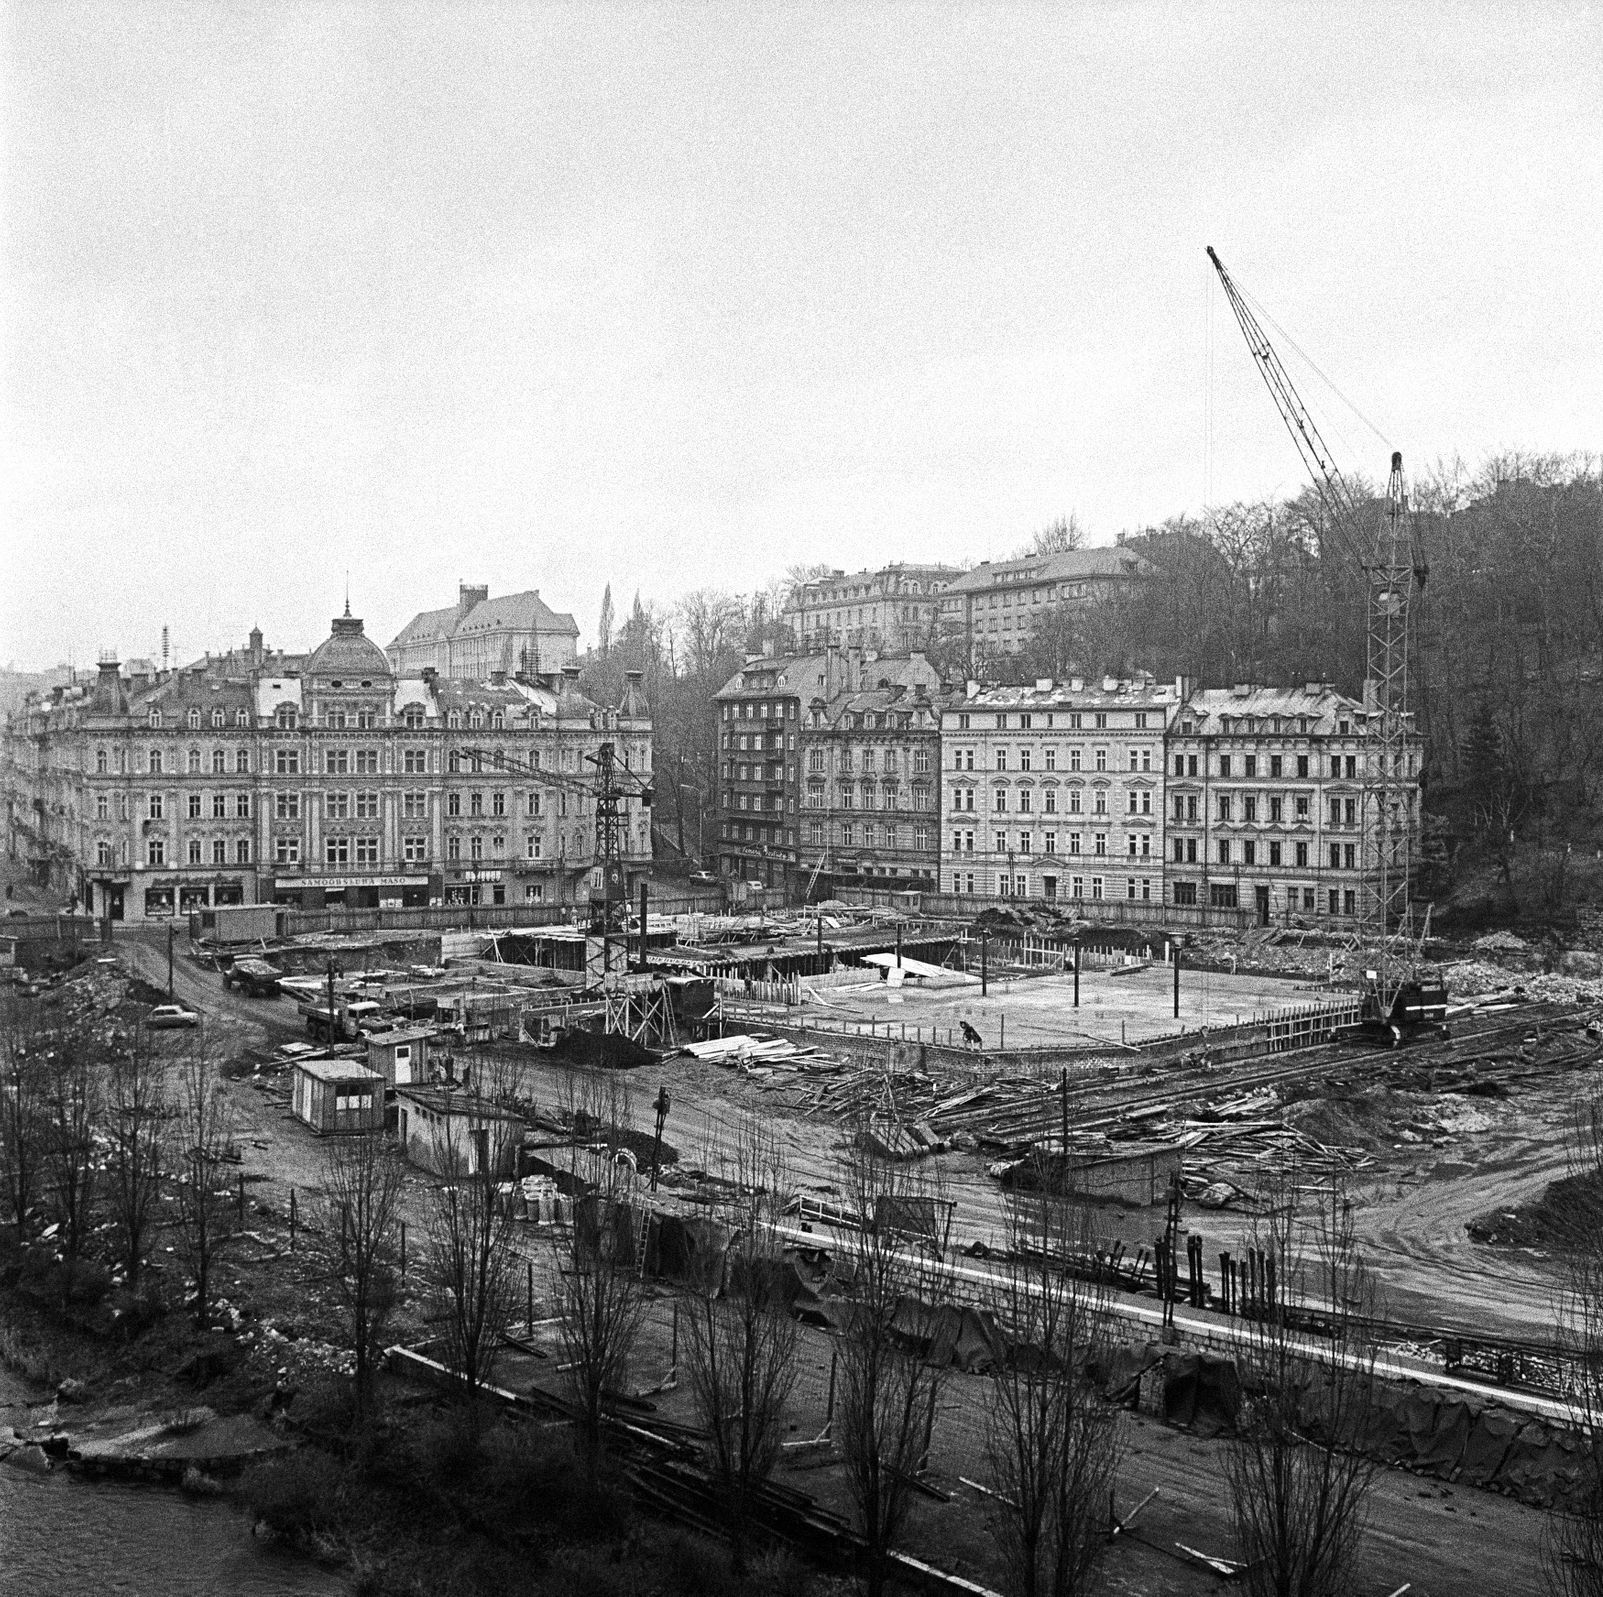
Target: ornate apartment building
point(1266, 802)
point(995, 606)
point(1056, 791)
point(896, 608)
point(328, 778)
point(871, 759)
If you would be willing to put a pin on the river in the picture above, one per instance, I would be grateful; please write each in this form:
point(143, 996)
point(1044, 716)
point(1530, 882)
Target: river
point(61, 1535)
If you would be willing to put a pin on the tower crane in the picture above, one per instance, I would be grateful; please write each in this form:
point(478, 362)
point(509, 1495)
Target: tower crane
point(611, 786)
point(1396, 1002)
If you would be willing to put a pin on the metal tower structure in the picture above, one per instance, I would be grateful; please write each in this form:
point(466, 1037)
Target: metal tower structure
point(1395, 572)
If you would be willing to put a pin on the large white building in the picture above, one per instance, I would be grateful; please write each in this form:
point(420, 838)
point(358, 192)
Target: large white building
point(1055, 791)
point(518, 633)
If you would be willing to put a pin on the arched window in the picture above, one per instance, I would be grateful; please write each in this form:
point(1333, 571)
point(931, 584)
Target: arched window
point(101, 762)
point(288, 717)
point(155, 717)
point(498, 722)
point(155, 762)
point(194, 720)
point(219, 762)
point(241, 719)
point(241, 760)
point(414, 717)
point(194, 761)
point(217, 718)
point(475, 720)
point(454, 719)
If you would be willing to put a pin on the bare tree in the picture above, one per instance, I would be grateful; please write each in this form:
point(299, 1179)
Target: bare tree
point(1299, 1483)
point(202, 1133)
point(470, 1258)
point(136, 1122)
point(599, 1299)
point(70, 1099)
point(740, 1348)
point(1062, 536)
point(889, 1388)
point(22, 1116)
point(362, 1185)
point(1052, 1440)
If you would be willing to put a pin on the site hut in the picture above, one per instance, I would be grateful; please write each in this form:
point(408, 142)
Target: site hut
point(338, 1097)
point(1266, 803)
point(870, 746)
point(1056, 791)
point(401, 1056)
point(453, 1132)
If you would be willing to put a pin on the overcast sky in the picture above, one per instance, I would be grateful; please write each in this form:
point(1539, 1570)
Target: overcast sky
point(547, 296)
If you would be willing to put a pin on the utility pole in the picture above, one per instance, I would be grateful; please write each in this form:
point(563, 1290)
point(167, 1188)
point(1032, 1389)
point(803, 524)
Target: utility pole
point(169, 959)
point(1176, 947)
point(984, 972)
point(331, 1033)
point(662, 1105)
point(1076, 975)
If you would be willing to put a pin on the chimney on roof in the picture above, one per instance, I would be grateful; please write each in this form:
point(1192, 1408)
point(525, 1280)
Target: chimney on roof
point(498, 678)
point(468, 595)
point(1076, 684)
point(1043, 684)
point(1109, 684)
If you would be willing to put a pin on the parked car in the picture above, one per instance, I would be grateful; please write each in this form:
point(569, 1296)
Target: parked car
point(702, 876)
point(169, 1017)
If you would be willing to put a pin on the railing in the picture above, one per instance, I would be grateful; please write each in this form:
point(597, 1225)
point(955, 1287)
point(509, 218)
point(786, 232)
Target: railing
point(477, 917)
point(1114, 911)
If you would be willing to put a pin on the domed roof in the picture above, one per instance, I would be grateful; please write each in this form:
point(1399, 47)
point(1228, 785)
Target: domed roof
point(348, 653)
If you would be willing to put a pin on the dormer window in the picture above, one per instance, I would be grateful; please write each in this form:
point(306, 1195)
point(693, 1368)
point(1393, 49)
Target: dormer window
point(155, 718)
point(454, 719)
point(217, 718)
point(194, 720)
point(288, 718)
point(498, 722)
point(241, 719)
point(413, 717)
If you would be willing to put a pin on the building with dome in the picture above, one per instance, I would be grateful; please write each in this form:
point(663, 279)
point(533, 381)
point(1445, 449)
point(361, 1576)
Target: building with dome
point(329, 778)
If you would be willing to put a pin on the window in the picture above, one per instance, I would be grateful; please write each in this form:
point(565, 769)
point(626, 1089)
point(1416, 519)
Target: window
point(1249, 808)
point(241, 761)
point(1074, 759)
point(1179, 851)
point(414, 805)
point(1277, 809)
point(921, 762)
point(242, 806)
point(1191, 851)
point(498, 802)
point(1302, 765)
point(154, 762)
point(1185, 892)
point(155, 718)
point(1224, 806)
point(1102, 759)
point(102, 765)
point(1274, 854)
point(241, 718)
point(336, 762)
point(1223, 895)
point(1224, 765)
point(476, 847)
point(1275, 764)
point(1302, 856)
point(1249, 853)
point(453, 803)
point(287, 850)
point(194, 762)
point(155, 806)
point(1099, 842)
point(337, 806)
point(103, 852)
point(156, 851)
point(1249, 764)
point(415, 762)
point(412, 718)
point(334, 719)
point(1001, 758)
point(1179, 765)
point(219, 806)
point(102, 806)
point(367, 805)
point(414, 849)
point(1224, 851)
point(287, 718)
point(287, 806)
point(1349, 902)
point(242, 851)
point(194, 851)
point(286, 762)
point(367, 851)
point(219, 762)
point(476, 803)
point(367, 762)
point(219, 851)
point(1335, 856)
point(336, 851)
point(366, 720)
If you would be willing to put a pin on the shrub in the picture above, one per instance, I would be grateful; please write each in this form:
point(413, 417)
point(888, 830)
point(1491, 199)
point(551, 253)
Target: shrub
point(296, 1496)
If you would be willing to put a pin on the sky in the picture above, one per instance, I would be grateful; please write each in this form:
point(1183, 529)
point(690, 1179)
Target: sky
point(667, 297)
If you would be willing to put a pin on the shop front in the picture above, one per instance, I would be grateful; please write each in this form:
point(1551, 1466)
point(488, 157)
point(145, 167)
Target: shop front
point(466, 887)
point(357, 892)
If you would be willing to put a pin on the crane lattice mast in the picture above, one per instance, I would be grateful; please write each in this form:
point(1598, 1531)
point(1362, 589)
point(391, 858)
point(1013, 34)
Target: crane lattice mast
point(1395, 572)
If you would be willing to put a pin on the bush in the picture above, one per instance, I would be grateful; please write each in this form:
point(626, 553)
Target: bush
point(296, 1496)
